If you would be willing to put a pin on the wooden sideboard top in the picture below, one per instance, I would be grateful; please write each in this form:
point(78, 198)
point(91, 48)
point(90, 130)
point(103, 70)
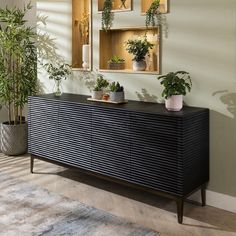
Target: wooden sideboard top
point(136, 106)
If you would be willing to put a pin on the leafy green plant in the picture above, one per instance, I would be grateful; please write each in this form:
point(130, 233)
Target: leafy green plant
point(116, 59)
point(58, 72)
point(139, 48)
point(115, 87)
point(153, 14)
point(175, 83)
point(101, 83)
point(107, 15)
point(18, 61)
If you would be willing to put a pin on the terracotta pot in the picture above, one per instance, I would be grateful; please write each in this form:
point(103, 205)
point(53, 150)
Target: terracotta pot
point(174, 103)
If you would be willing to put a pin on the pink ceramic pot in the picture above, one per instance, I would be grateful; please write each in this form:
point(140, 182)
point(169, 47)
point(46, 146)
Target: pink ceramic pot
point(174, 103)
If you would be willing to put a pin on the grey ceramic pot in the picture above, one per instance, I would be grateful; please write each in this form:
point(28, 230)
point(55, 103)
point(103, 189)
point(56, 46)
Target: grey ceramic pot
point(139, 65)
point(14, 139)
point(117, 96)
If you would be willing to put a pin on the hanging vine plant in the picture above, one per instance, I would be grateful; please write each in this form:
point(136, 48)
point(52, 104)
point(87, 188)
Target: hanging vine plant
point(153, 14)
point(155, 18)
point(107, 15)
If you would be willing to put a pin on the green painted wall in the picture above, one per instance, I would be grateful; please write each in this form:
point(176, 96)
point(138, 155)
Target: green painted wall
point(201, 40)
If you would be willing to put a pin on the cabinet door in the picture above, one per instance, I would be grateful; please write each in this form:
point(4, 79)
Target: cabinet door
point(111, 142)
point(156, 157)
point(43, 127)
point(75, 134)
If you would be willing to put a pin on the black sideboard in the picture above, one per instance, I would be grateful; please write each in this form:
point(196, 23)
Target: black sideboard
point(139, 144)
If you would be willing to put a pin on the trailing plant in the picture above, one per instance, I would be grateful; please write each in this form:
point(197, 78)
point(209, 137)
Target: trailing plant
point(101, 83)
point(153, 14)
point(58, 71)
point(18, 61)
point(84, 28)
point(116, 59)
point(107, 15)
point(175, 83)
point(139, 48)
point(115, 87)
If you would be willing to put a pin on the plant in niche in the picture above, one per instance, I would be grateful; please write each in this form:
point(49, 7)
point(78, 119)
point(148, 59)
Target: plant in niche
point(57, 72)
point(84, 28)
point(155, 18)
point(107, 15)
point(116, 63)
point(175, 85)
point(139, 48)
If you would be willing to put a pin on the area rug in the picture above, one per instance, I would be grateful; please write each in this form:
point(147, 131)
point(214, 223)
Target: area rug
point(28, 210)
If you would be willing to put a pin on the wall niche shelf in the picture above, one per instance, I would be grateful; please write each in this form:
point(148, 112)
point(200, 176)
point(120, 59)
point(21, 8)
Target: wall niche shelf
point(116, 6)
point(113, 41)
point(145, 4)
point(81, 34)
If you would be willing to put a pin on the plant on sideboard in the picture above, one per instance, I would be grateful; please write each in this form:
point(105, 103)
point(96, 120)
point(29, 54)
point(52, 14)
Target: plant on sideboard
point(116, 92)
point(116, 63)
point(58, 72)
point(18, 76)
point(176, 84)
point(139, 48)
point(107, 15)
point(101, 84)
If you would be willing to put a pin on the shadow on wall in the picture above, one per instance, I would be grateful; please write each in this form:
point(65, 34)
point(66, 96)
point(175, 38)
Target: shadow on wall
point(223, 143)
point(144, 96)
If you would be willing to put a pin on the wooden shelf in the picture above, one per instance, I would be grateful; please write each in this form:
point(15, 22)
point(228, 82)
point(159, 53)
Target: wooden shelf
point(129, 71)
point(117, 6)
point(145, 4)
point(79, 8)
point(113, 41)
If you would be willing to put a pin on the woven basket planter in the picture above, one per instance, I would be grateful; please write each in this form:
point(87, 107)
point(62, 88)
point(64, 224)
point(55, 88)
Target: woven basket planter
point(116, 66)
point(14, 139)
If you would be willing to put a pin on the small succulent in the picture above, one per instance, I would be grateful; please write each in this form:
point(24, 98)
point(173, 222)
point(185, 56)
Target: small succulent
point(116, 59)
point(115, 87)
point(101, 83)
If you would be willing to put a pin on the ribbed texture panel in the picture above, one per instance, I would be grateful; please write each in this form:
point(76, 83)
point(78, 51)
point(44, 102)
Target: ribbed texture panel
point(165, 151)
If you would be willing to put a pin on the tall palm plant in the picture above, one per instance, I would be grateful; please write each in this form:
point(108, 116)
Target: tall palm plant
point(18, 61)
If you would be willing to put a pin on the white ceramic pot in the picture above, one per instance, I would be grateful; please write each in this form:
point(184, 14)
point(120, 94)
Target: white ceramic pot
point(174, 103)
point(97, 95)
point(139, 65)
point(117, 96)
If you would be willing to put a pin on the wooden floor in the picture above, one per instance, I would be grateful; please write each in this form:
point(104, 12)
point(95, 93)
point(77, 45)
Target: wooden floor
point(140, 207)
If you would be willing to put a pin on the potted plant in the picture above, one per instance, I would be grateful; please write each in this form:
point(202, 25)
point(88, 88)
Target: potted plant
point(116, 92)
point(176, 84)
point(153, 14)
point(116, 63)
point(18, 76)
point(101, 84)
point(57, 72)
point(107, 15)
point(139, 48)
point(84, 31)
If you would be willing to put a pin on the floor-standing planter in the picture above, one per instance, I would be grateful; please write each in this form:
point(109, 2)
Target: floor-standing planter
point(14, 139)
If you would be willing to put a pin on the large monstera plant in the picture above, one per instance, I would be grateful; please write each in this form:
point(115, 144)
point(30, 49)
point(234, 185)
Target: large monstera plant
point(18, 74)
